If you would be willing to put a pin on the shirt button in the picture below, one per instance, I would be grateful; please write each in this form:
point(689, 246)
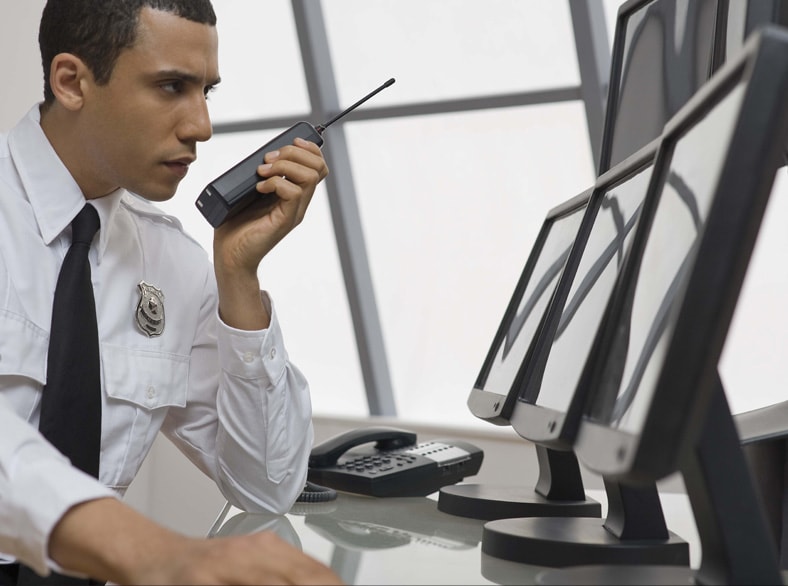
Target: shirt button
point(151, 392)
point(248, 357)
point(272, 353)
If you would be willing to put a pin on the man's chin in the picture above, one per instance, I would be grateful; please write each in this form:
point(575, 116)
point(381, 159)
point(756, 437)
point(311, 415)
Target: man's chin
point(155, 194)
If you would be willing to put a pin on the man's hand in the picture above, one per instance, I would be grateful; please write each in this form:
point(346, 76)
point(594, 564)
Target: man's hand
point(292, 174)
point(258, 558)
point(108, 540)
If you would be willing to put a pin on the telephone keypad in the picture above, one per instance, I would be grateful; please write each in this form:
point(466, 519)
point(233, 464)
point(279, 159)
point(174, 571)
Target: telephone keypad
point(382, 462)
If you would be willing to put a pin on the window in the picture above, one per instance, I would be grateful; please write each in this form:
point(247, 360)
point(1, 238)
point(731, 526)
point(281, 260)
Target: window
point(451, 172)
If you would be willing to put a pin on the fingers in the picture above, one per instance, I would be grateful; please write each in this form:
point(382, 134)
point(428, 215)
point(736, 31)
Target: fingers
point(258, 558)
point(291, 175)
point(300, 165)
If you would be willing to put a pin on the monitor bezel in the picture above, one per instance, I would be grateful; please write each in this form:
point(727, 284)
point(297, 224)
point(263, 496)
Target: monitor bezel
point(497, 407)
point(687, 375)
point(625, 11)
point(547, 426)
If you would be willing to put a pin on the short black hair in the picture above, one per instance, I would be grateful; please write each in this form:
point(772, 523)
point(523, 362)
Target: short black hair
point(97, 31)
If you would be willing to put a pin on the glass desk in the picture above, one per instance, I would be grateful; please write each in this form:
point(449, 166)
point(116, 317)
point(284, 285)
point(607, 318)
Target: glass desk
point(408, 540)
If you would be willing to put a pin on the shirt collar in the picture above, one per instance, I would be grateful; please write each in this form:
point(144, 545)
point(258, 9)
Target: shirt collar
point(53, 193)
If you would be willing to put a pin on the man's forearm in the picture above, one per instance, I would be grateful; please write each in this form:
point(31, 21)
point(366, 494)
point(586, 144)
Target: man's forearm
point(109, 540)
point(240, 304)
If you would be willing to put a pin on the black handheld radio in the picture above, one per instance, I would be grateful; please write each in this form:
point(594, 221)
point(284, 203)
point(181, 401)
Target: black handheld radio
point(232, 191)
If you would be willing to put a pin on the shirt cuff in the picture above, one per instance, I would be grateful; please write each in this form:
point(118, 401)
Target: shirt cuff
point(44, 487)
point(253, 355)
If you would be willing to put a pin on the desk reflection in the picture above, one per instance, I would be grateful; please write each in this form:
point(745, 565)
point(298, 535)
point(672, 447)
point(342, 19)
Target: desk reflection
point(368, 523)
point(400, 540)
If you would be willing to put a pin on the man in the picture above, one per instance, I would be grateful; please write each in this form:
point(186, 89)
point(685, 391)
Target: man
point(192, 350)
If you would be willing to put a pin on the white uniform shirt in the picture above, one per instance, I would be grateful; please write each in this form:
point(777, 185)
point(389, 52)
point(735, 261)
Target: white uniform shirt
point(229, 399)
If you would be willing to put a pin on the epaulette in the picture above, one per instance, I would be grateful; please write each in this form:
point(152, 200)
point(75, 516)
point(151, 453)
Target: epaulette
point(143, 207)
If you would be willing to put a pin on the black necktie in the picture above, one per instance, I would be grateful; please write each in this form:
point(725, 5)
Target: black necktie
point(71, 402)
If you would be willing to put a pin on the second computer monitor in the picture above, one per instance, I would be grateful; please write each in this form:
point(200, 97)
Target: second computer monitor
point(542, 412)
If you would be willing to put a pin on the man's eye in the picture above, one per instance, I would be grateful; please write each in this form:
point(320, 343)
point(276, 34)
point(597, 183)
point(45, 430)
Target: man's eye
point(173, 87)
point(208, 90)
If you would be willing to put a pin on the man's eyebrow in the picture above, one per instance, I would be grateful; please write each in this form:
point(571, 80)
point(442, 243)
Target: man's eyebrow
point(185, 76)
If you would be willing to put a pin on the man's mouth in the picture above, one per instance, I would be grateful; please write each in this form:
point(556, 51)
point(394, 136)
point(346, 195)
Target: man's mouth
point(179, 167)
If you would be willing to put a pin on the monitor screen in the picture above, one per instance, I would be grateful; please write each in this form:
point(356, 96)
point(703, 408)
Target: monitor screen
point(577, 308)
point(672, 305)
point(685, 199)
point(490, 397)
point(662, 53)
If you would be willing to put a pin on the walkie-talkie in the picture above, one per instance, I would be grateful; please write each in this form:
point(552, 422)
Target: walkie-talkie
point(231, 192)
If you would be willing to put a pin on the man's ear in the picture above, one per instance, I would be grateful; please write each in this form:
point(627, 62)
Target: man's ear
point(67, 77)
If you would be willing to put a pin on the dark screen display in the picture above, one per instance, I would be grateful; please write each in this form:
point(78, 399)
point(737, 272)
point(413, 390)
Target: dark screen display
point(666, 57)
point(520, 331)
point(643, 332)
point(601, 259)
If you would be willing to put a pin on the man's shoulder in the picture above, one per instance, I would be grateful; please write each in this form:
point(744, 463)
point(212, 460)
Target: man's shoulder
point(159, 226)
point(155, 217)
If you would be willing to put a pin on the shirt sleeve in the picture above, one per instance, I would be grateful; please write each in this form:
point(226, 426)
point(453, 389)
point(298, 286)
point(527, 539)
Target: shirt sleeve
point(38, 486)
point(248, 419)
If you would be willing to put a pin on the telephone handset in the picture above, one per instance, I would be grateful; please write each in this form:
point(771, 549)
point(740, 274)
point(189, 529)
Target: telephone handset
point(387, 438)
point(395, 465)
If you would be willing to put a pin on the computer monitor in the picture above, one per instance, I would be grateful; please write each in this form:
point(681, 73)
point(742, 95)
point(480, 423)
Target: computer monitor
point(663, 51)
point(541, 412)
point(503, 368)
point(658, 405)
point(559, 488)
point(647, 381)
point(634, 530)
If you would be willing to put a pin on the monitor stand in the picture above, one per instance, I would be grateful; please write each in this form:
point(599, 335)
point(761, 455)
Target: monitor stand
point(634, 532)
point(558, 492)
point(736, 542)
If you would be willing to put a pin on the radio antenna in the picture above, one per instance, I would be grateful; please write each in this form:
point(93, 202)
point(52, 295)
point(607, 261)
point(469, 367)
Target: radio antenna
point(321, 127)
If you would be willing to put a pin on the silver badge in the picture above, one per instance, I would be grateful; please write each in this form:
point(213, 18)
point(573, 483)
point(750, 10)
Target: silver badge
point(150, 310)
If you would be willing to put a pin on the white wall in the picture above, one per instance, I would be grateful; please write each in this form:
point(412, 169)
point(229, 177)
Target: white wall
point(23, 79)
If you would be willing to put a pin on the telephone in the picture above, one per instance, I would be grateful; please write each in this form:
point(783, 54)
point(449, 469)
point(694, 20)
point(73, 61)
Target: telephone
point(396, 465)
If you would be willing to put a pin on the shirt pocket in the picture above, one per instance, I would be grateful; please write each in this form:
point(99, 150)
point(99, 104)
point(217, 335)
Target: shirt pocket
point(23, 360)
point(140, 386)
point(23, 347)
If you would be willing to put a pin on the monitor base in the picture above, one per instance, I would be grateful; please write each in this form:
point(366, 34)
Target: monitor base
point(621, 575)
point(562, 542)
point(478, 501)
point(618, 575)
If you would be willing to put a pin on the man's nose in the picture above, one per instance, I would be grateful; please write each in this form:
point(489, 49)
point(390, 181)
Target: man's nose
point(196, 124)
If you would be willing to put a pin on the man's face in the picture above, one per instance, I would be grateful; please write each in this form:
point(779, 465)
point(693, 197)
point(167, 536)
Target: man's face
point(140, 130)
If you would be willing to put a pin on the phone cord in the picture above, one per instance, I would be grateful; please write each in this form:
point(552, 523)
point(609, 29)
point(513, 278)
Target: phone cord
point(314, 493)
